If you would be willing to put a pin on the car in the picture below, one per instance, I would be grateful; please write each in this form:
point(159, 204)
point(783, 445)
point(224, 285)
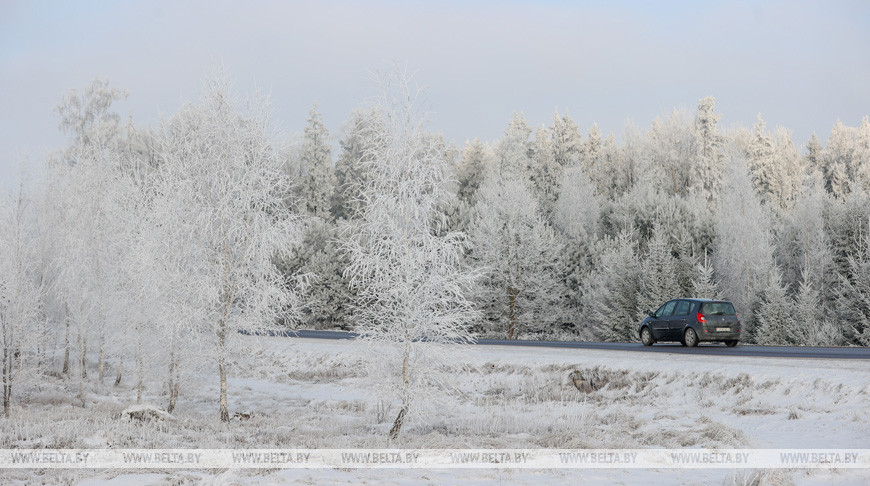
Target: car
point(691, 321)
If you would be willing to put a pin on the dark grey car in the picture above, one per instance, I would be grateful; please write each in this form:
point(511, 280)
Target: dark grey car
point(690, 321)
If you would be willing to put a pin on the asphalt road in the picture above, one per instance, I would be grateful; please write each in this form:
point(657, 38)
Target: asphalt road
point(701, 349)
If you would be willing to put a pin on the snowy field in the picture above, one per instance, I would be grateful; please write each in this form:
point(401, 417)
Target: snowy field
point(321, 394)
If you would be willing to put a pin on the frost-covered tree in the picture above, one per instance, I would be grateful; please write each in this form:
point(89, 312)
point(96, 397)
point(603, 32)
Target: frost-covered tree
point(578, 209)
point(93, 162)
point(228, 216)
point(861, 155)
point(566, 141)
point(775, 318)
point(519, 253)
point(803, 243)
point(607, 165)
point(846, 223)
point(318, 181)
point(411, 287)
point(708, 167)
point(472, 170)
point(815, 158)
point(577, 220)
point(88, 118)
point(659, 277)
point(671, 149)
point(592, 152)
point(811, 325)
point(610, 295)
point(20, 293)
point(546, 173)
point(704, 284)
point(853, 296)
point(328, 294)
point(351, 167)
point(774, 165)
point(743, 251)
point(513, 151)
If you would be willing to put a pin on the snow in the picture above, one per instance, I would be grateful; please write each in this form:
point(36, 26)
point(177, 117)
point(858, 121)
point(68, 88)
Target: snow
point(309, 393)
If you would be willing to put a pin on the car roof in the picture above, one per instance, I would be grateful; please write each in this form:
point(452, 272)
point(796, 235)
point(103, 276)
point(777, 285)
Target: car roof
point(695, 299)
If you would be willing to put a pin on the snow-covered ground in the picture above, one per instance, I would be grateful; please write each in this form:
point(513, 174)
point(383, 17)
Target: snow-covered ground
point(320, 394)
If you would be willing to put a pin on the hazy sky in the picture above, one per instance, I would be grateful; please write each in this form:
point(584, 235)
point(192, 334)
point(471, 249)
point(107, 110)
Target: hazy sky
point(802, 65)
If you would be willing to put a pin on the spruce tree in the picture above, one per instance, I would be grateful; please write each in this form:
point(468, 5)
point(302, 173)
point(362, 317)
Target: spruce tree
point(775, 317)
point(318, 183)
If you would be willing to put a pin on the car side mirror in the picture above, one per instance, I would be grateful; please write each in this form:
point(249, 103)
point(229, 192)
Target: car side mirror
point(652, 314)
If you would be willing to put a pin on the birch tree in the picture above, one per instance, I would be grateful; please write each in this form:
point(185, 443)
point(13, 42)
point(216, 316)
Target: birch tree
point(226, 191)
point(20, 293)
point(411, 287)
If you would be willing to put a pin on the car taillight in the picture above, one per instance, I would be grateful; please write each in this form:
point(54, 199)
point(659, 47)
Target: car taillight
point(701, 318)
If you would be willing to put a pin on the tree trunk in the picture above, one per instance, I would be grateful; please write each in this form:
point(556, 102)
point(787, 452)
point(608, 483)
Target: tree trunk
point(83, 371)
point(66, 344)
point(406, 390)
point(400, 421)
point(120, 369)
point(83, 356)
point(512, 296)
point(173, 383)
point(140, 359)
point(102, 356)
point(7, 380)
point(225, 414)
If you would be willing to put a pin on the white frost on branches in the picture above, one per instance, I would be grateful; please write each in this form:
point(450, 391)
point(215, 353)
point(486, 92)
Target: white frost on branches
point(411, 287)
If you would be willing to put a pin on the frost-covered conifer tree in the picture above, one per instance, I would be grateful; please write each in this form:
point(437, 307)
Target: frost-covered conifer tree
point(411, 287)
point(811, 325)
point(704, 284)
point(658, 279)
point(578, 209)
point(708, 167)
point(546, 173)
point(567, 141)
point(513, 151)
point(743, 252)
point(351, 167)
point(815, 158)
point(853, 296)
point(610, 295)
point(775, 318)
point(318, 181)
point(472, 170)
point(774, 165)
point(671, 148)
point(520, 255)
point(328, 295)
point(226, 187)
point(803, 244)
point(577, 220)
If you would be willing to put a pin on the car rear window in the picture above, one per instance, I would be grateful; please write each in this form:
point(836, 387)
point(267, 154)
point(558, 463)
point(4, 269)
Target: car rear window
point(717, 309)
point(682, 308)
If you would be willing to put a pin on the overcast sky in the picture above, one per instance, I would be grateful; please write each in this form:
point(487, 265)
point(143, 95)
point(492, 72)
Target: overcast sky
point(802, 65)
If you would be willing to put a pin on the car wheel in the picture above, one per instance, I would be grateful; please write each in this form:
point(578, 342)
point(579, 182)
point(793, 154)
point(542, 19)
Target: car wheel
point(731, 343)
point(690, 338)
point(646, 337)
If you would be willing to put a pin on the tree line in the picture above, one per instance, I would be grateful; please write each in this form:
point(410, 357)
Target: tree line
point(148, 249)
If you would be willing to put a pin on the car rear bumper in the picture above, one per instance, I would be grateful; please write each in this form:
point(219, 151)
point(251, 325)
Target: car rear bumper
point(706, 335)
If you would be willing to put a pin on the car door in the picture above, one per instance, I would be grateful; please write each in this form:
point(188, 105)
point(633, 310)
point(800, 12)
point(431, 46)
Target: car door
point(679, 319)
point(661, 321)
